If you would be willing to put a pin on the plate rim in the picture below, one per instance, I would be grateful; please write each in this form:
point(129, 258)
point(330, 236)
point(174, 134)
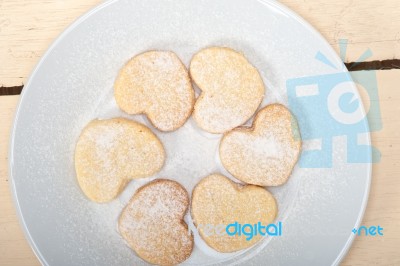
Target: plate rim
point(286, 10)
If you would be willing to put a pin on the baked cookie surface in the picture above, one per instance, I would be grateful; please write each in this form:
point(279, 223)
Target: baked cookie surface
point(231, 89)
point(216, 200)
point(152, 223)
point(157, 84)
point(266, 153)
point(109, 153)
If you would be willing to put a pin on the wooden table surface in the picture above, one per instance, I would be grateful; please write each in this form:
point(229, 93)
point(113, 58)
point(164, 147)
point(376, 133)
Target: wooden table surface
point(28, 27)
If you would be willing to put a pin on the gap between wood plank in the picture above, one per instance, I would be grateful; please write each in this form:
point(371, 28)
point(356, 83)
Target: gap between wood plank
point(14, 90)
point(352, 66)
point(374, 65)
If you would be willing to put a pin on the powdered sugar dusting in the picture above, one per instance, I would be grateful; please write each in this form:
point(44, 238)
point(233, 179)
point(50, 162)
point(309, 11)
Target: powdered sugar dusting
point(110, 152)
point(232, 89)
point(266, 154)
point(156, 83)
point(267, 146)
point(190, 156)
point(217, 200)
point(152, 223)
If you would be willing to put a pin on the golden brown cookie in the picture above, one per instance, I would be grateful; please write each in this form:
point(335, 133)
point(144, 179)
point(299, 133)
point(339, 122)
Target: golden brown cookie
point(152, 223)
point(232, 89)
point(266, 153)
point(157, 84)
point(109, 153)
point(216, 201)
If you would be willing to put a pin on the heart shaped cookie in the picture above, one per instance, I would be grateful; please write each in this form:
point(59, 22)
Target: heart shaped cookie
point(266, 153)
point(232, 89)
point(109, 153)
point(152, 223)
point(157, 84)
point(219, 202)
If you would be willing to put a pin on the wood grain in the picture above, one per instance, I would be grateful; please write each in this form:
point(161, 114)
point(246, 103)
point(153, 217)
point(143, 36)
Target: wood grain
point(384, 202)
point(27, 27)
point(365, 23)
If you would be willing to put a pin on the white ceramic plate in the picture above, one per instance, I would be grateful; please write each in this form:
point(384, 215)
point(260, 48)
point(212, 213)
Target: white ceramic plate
point(73, 84)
